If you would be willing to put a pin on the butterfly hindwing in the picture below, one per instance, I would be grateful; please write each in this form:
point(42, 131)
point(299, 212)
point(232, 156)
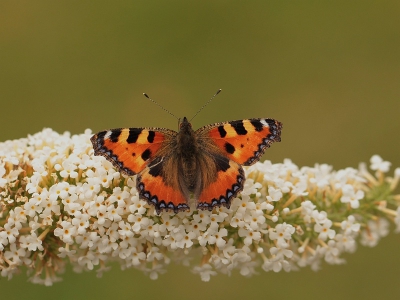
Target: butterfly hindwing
point(159, 184)
point(130, 149)
point(243, 141)
point(222, 180)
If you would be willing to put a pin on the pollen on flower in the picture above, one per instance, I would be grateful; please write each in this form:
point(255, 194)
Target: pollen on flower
point(58, 201)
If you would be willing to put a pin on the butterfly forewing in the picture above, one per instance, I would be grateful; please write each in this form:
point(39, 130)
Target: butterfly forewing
point(243, 141)
point(130, 149)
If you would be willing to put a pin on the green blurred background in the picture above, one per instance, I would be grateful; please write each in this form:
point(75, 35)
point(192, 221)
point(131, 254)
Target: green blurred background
point(329, 70)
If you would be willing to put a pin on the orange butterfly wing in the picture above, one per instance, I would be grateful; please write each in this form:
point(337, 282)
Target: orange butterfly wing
point(159, 184)
point(243, 141)
point(222, 180)
point(130, 149)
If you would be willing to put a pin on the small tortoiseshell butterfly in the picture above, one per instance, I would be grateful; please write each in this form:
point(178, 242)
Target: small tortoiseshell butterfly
point(173, 166)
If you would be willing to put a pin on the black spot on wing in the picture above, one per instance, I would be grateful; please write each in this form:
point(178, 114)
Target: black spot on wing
point(155, 167)
point(222, 163)
point(239, 127)
point(133, 135)
point(229, 148)
point(115, 133)
point(222, 131)
point(150, 137)
point(258, 126)
point(146, 154)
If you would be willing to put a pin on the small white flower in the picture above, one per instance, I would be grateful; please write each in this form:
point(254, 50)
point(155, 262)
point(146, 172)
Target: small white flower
point(125, 229)
point(237, 220)
point(206, 238)
point(33, 207)
point(72, 204)
point(249, 236)
point(31, 242)
point(345, 243)
point(68, 169)
point(187, 240)
point(15, 255)
point(280, 253)
point(171, 223)
point(138, 206)
point(205, 272)
point(350, 226)
point(114, 213)
point(320, 217)
point(351, 196)
point(87, 240)
point(50, 206)
point(66, 232)
point(274, 194)
point(137, 257)
point(378, 164)
point(89, 260)
point(331, 253)
point(324, 230)
point(17, 216)
point(300, 187)
point(138, 222)
point(9, 235)
point(321, 175)
point(154, 254)
point(216, 219)
point(283, 185)
point(152, 232)
point(281, 233)
point(64, 252)
point(195, 227)
point(254, 220)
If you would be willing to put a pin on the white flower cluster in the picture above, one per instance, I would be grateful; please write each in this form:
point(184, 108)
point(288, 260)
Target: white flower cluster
point(60, 204)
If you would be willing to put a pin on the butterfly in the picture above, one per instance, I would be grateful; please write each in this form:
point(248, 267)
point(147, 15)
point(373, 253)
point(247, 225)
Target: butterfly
point(174, 167)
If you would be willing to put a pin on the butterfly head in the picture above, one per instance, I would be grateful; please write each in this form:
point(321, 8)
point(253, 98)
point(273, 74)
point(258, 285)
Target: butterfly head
point(184, 124)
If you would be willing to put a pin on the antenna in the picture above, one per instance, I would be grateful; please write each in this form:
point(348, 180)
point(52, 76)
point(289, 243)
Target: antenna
point(147, 96)
point(206, 104)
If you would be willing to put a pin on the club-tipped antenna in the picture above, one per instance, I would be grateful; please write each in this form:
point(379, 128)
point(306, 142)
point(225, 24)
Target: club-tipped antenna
point(205, 104)
point(162, 107)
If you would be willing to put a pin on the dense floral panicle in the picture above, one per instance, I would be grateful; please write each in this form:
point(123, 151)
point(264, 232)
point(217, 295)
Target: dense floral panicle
point(61, 204)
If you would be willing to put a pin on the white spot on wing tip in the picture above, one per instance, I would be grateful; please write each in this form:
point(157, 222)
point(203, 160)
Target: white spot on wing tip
point(264, 122)
point(107, 135)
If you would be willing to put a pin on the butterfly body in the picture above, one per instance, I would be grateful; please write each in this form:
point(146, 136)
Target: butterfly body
point(174, 168)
